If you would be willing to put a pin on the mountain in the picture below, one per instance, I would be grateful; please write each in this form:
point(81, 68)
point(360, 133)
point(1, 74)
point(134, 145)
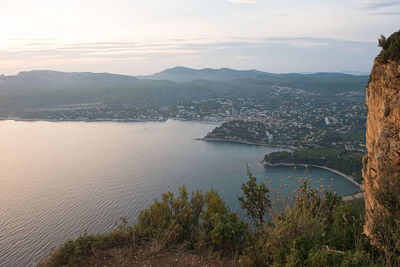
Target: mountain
point(43, 88)
point(322, 82)
point(355, 72)
point(42, 80)
point(183, 74)
point(38, 89)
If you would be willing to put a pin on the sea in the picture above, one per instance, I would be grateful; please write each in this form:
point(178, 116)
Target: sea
point(61, 179)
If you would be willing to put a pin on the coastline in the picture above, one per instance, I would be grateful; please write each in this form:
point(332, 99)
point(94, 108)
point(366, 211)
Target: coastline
point(347, 177)
point(243, 142)
point(106, 120)
point(353, 196)
point(79, 120)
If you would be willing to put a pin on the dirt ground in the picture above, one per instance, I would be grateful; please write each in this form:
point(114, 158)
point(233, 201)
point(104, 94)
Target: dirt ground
point(175, 257)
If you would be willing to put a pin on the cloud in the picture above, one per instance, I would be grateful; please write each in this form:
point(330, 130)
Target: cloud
point(381, 7)
point(274, 54)
point(381, 4)
point(281, 14)
point(112, 50)
point(243, 1)
point(385, 13)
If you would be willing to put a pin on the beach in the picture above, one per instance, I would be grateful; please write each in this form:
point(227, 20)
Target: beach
point(348, 177)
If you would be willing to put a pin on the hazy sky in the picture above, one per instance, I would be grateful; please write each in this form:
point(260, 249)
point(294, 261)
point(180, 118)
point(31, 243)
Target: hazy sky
point(146, 36)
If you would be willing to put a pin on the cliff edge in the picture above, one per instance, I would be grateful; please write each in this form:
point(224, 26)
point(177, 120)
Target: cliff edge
point(382, 163)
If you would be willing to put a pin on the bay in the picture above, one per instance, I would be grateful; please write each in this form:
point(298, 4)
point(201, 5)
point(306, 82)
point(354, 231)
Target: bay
point(58, 179)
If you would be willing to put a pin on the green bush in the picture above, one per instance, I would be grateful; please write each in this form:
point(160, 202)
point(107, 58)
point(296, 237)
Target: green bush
point(390, 47)
point(73, 251)
point(320, 256)
point(385, 216)
point(314, 228)
point(346, 226)
point(358, 258)
point(387, 111)
point(170, 220)
point(221, 229)
point(255, 199)
point(202, 222)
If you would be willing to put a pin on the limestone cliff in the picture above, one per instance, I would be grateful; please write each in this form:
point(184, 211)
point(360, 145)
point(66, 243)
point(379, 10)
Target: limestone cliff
point(383, 124)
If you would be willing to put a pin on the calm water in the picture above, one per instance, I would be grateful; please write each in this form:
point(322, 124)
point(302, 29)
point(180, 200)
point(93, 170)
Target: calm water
point(60, 178)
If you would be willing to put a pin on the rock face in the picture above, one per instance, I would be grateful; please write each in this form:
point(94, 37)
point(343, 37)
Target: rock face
point(383, 130)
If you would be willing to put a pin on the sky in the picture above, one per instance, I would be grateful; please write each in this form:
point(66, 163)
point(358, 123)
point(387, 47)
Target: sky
point(137, 37)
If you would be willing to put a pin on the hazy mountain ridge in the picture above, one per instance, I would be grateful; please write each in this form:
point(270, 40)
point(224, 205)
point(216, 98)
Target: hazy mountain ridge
point(322, 82)
point(44, 88)
point(55, 80)
point(183, 74)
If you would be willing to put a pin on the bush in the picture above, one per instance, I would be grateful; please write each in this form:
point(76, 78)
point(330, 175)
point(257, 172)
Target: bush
point(255, 199)
point(358, 258)
point(314, 228)
point(387, 111)
point(220, 229)
point(385, 216)
point(320, 256)
point(73, 251)
point(390, 47)
point(170, 220)
point(202, 222)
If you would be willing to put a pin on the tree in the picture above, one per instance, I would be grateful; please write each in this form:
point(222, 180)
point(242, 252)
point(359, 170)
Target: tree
point(381, 41)
point(255, 199)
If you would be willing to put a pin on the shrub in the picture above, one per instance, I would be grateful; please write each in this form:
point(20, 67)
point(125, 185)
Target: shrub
point(358, 258)
point(382, 41)
point(316, 229)
point(170, 220)
point(221, 229)
point(320, 256)
point(255, 199)
point(202, 222)
point(387, 111)
point(390, 47)
point(73, 251)
point(224, 233)
point(385, 216)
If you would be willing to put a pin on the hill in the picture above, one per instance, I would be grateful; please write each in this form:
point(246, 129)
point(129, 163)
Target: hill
point(325, 83)
point(43, 90)
point(183, 74)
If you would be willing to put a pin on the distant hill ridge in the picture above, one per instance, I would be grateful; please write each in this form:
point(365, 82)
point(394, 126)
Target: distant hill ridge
point(183, 74)
point(177, 74)
point(44, 88)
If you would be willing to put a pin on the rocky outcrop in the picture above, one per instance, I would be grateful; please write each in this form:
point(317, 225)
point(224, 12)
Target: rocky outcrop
point(383, 131)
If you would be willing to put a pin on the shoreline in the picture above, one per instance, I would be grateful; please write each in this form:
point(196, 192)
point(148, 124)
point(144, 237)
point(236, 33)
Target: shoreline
point(79, 120)
point(353, 196)
point(244, 142)
point(347, 177)
point(105, 120)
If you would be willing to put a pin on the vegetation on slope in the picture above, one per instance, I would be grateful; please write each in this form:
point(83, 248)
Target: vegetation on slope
point(385, 223)
point(46, 89)
point(310, 227)
point(390, 47)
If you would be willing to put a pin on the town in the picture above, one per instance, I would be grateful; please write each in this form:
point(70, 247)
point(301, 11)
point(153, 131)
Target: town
point(285, 117)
